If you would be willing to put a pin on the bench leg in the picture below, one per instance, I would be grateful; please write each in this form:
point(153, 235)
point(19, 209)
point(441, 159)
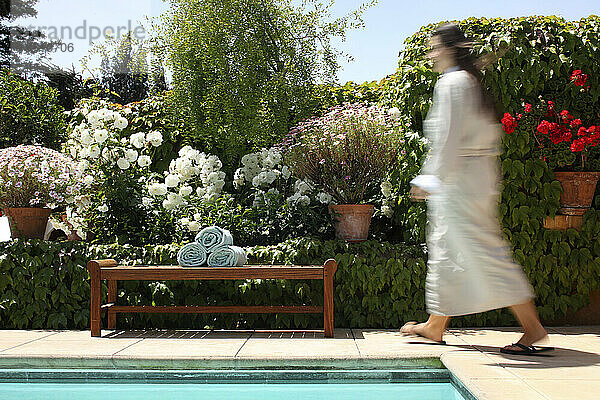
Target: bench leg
point(96, 299)
point(329, 271)
point(112, 298)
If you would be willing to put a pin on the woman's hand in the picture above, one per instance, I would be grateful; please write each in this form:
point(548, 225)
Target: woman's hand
point(417, 194)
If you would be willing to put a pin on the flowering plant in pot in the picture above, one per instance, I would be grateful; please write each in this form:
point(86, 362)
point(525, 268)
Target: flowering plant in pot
point(34, 180)
point(346, 153)
point(566, 143)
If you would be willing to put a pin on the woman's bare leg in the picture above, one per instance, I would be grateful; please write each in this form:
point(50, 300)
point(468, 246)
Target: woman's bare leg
point(529, 320)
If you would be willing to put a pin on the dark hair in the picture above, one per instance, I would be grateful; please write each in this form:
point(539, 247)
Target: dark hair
point(454, 39)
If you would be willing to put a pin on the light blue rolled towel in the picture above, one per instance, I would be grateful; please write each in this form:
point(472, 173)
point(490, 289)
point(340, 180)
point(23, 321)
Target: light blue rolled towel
point(192, 255)
point(227, 256)
point(213, 237)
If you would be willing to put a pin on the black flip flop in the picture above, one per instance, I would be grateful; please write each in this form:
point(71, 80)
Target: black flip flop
point(526, 350)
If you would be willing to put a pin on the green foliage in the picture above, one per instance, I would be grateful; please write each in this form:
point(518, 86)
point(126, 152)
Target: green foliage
point(45, 285)
point(29, 113)
point(247, 69)
point(273, 222)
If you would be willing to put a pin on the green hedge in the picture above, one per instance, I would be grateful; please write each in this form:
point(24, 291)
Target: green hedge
point(377, 285)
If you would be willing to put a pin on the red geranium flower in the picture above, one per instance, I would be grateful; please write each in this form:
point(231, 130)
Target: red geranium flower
point(509, 123)
point(544, 127)
point(577, 145)
point(575, 122)
point(578, 78)
point(527, 107)
point(550, 105)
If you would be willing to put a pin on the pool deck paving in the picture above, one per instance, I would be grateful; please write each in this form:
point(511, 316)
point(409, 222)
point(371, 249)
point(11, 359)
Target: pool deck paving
point(571, 371)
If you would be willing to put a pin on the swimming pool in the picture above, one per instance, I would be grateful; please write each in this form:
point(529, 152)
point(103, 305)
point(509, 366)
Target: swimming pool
point(425, 384)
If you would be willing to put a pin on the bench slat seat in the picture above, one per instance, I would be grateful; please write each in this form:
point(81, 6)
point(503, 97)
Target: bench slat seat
point(175, 272)
point(112, 272)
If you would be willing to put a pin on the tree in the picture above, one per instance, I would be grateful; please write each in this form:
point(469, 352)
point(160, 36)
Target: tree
point(22, 50)
point(247, 69)
point(70, 85)
point(125, 73)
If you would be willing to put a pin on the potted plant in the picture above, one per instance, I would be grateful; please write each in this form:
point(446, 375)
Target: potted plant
point(33, 180)
point(346, 153)
point(567, 144)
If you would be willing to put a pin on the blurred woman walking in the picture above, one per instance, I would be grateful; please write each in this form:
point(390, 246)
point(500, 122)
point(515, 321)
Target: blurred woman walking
point(470, 267)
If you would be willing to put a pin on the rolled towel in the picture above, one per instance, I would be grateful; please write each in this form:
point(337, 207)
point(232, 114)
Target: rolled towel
point(213, 236)
point(227, 256)
point(192, 255)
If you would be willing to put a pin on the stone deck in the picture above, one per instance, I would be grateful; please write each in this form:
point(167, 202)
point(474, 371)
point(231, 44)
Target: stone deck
point(472, 355)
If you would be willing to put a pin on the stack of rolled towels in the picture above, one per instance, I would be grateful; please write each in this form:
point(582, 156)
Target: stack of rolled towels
point(214, 247)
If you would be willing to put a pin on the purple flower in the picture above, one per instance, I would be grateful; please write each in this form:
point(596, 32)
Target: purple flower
point(347, 177)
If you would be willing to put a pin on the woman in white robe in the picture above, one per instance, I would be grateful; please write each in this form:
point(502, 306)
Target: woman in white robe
point(470, 267)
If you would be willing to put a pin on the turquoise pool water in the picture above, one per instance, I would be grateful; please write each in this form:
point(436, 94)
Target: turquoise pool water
point(222, 391)
point(67, 384)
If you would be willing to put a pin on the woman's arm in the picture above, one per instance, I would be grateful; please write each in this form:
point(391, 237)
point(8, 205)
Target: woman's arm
point(448, 124)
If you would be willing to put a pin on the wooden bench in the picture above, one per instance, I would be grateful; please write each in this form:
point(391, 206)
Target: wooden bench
point(112, 272)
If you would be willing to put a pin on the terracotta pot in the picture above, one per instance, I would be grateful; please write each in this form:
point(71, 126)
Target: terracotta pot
point(563, 222)
point(578, 191)
point(27, 223)
point(352, 221)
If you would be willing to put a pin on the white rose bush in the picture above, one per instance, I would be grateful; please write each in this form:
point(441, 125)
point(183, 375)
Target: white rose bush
point(140, 184)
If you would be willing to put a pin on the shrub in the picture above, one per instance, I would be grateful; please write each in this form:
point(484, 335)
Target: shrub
point(44, 285)
point(29, 113)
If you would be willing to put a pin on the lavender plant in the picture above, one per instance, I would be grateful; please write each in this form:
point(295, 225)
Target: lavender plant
point(347, 152)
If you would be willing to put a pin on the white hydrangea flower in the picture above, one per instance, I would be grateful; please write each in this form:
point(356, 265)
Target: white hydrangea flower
point(123, 163)
point(285, 172)
point(155, 138)
point(144, 161)
point(88, 180)
point(185, 151)
point(172, 180)
point(121, 123)
point(168, 205)
point(302, 187)
point(304, 200)
point(184, 221)
point(386, 188)
point(185, 191)
point(194, 226)
point(85, 137)
point(394, 113)
point(324, 198)
point(157, 189)
point(100, 135)
point(131, 155)
point(146, 201)
point(138, 140)
point(387, 211)
point(175, 198)
point(93, 152)
point(103, 208)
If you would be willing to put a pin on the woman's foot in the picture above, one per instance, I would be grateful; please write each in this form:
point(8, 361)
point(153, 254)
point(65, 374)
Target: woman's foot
point(529, 339)
point(424, 329)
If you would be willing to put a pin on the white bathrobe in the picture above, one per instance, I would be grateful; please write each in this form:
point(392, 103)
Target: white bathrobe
point(470, 267)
